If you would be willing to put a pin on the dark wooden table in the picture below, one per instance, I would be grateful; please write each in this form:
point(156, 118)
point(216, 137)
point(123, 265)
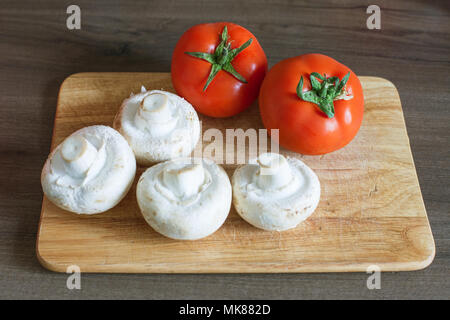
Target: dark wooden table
point(37, 52)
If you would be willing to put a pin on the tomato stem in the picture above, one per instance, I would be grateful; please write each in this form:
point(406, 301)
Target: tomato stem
point(324, 93)
point(221, 58)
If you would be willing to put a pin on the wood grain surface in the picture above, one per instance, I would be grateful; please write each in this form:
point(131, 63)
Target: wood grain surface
point(371, 210)
point(38, 52)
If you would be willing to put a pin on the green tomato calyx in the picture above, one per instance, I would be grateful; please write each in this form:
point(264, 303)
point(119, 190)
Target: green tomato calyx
point(221, 58)
point(323, 93)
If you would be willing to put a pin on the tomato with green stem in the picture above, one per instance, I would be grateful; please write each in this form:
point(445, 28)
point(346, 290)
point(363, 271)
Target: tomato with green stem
point(218, 68)
point(316, 103)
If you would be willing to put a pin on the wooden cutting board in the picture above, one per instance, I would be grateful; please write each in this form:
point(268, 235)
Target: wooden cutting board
point(371, 210)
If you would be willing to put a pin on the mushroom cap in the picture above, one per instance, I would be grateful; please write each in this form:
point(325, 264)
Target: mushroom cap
point(90, 171)
point(282, 206)
point(173, 130)
point(185, 198)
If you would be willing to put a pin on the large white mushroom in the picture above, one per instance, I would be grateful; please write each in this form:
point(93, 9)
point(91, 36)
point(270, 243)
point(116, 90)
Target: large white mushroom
point(158, 125)
point(275, 193)
point(90, 171)
point(186, 198)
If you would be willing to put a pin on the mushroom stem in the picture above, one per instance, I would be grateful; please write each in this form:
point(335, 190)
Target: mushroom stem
point(154, 114)
point(184, 181)
point(155, 107)
point(78, 155)
point(274, 171)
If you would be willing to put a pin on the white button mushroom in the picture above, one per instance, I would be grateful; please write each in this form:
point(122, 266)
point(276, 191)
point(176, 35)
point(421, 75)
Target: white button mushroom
point(90, 171)
point(275, 193)
point(158, 125)
point(185, 198)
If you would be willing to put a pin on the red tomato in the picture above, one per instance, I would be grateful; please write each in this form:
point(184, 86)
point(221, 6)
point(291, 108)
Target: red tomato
point(218, 68)
point(312, 127)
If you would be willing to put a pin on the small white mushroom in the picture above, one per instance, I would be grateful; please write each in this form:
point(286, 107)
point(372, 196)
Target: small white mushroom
point(185, 198)
point(90, 171)
point(275, 193)
point(158, 125)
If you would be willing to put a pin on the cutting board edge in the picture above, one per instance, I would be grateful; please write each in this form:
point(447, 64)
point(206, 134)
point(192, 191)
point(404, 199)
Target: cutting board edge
point(247, 269)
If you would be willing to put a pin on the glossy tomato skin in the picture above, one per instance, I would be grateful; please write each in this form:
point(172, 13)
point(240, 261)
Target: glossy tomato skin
point(303, 127)
point(225, 96)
